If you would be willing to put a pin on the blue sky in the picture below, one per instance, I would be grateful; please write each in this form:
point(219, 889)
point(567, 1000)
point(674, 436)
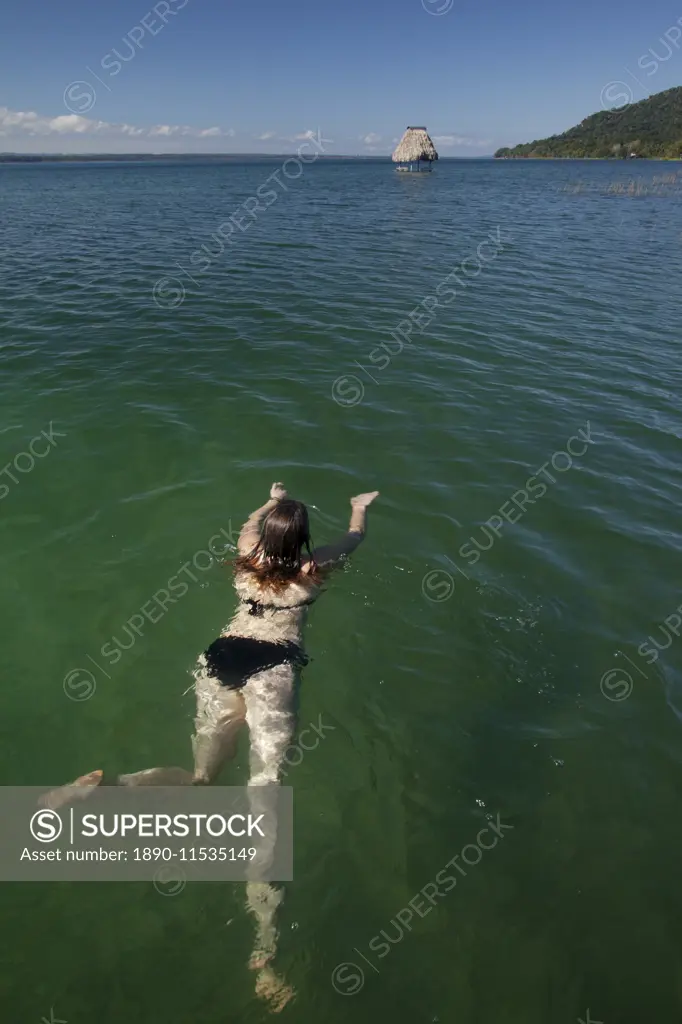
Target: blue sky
point(257, 75)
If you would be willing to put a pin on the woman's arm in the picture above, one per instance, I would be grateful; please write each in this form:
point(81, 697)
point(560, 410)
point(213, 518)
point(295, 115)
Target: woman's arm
point(250, 532)
point(331, 555)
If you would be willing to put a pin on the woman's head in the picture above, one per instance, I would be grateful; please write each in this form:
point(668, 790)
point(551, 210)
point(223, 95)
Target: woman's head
point(284, 534)
point(277, 557)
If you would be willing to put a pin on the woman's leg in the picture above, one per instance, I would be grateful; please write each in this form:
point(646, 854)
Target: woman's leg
point(157, 777)
point(220, 715)
point(271, 717)
point(86, 784)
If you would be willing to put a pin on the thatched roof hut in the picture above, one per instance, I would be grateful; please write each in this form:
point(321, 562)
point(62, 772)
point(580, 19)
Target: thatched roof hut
point(415, 146)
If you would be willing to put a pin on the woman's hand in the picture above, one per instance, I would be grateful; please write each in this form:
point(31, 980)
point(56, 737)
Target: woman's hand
point(363, 500)
point(277, 492)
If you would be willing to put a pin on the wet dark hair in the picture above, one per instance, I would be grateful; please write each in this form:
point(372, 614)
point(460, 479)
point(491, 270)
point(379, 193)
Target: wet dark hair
point(284, 534)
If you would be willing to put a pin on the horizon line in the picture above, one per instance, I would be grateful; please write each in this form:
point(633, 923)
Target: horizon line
point(188, 153)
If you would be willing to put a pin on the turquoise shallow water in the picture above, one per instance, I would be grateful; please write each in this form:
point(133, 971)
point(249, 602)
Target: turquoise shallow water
point(456, 688)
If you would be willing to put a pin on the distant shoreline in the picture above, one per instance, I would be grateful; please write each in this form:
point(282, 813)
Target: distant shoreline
point(650, 129)
point(37, 158)
point(14, 159)
point(600, 159)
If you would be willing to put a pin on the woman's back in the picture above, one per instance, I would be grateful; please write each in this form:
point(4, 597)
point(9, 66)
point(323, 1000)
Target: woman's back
point(277, 615)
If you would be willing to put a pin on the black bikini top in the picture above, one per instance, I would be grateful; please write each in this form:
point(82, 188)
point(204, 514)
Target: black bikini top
point(258, 607)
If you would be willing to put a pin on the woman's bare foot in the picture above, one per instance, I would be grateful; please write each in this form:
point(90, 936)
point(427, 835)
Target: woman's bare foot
point(78, 790)
point(259, 959)
point(273, 990)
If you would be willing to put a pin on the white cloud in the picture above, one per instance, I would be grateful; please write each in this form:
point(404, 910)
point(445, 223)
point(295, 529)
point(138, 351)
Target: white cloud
point(308, 136)
point(69, 123)
point(265, 136)
point(9, 118)
point(459, 140)
point(370, 139)
point(21, 123)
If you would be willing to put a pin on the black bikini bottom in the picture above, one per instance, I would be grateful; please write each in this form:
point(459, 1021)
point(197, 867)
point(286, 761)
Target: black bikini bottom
point(232, 660)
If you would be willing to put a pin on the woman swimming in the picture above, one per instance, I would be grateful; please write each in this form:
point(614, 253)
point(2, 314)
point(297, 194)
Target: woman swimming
point(249, 674)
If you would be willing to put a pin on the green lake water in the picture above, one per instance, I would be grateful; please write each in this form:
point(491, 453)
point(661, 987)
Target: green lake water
point(455, 688)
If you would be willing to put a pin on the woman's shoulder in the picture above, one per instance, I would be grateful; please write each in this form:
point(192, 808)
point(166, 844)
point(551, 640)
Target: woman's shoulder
point(306, 588)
